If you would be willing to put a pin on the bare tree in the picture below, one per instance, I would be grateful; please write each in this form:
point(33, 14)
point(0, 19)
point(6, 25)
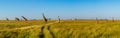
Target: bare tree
point(44, 18)
point(24, 18)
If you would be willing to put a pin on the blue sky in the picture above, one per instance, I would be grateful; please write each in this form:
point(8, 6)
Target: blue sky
point(66, 9)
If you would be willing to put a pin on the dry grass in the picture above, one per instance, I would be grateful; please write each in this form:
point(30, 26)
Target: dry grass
point(65, 29)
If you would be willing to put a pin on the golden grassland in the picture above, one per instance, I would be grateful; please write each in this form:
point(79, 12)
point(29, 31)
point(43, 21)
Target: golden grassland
point(87, 29)
point(65, 29)
point(17, 24)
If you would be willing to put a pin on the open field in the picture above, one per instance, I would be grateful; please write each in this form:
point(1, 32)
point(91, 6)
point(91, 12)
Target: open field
point(65, 29)
point(17, 24)
point(87, 29)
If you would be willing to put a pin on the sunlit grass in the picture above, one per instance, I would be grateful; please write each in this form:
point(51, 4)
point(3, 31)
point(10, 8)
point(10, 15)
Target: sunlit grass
point(65, 29)
point(17, 24)
point(87, 29)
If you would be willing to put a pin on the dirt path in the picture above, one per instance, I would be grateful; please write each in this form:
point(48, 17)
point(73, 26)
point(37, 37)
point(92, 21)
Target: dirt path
point(27, 27)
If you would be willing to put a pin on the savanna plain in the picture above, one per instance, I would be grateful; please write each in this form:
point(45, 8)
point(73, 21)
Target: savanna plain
point(62, 29)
